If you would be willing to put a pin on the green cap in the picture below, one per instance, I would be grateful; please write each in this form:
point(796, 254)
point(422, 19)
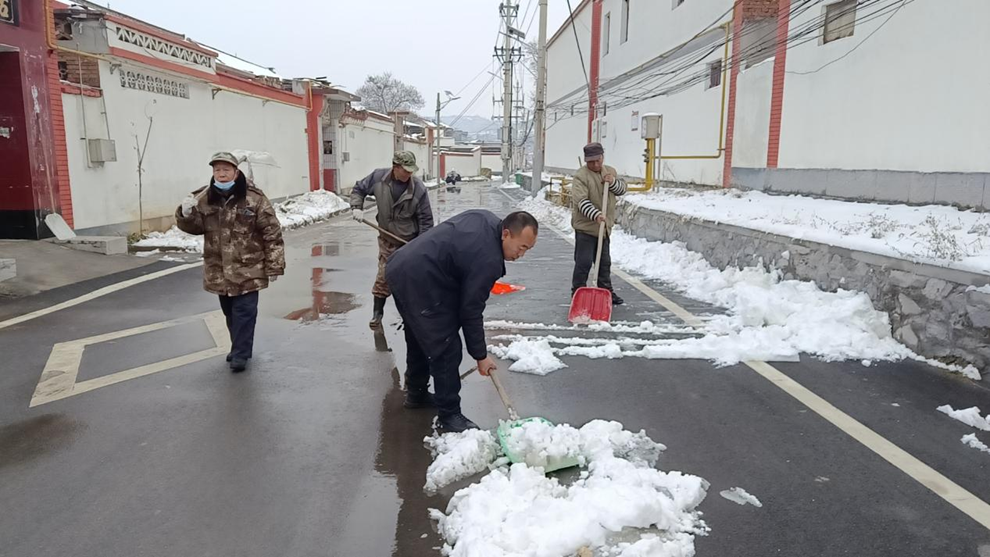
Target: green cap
point(405, 159)
point(224, 156)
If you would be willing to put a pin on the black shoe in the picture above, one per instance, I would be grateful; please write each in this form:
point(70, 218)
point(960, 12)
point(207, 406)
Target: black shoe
point(378, 313)
point(230, 356)
point(456, 423)
point(238, 365)
point(616, 300)
point(419, 400)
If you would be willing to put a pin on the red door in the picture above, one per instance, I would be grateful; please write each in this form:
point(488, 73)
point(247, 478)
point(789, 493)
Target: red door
point(17, 210)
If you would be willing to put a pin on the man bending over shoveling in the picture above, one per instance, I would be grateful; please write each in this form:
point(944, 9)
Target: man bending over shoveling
point(440, 283)
point(403, 209)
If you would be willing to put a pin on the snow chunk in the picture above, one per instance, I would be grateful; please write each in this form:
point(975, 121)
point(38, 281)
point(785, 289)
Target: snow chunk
point(173, 239)
point(518, 511)
point(534, 357)
point(510, 186)
point(970, 416)
point(309, 208)
point(738, 495)
point(458, 456)
point(971, 441)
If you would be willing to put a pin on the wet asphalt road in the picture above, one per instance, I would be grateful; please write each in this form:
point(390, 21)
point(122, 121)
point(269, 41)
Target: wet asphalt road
point(310, 452)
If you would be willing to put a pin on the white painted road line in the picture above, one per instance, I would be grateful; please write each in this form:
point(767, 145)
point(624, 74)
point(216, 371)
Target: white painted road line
point(100, 292)
point(58, 380)
point(951, 492)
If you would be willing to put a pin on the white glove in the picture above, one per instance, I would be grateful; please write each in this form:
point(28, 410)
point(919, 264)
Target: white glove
point(273, 278)
point(358, 214)
point(187, 205)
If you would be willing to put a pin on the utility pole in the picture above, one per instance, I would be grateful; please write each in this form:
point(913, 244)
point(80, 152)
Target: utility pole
point(439, 179)
point(541, 101)
point(508, 11)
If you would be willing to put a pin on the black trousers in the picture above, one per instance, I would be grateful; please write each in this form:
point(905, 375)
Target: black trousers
point(242, 315)
point(585, 247)
point(444, 369)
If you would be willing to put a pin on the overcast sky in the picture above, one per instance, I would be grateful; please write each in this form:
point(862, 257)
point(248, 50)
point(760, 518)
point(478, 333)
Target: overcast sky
point(432, 44)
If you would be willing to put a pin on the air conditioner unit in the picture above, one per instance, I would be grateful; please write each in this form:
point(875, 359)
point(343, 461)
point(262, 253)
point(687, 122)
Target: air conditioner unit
point(102, 150)
point(345, 156)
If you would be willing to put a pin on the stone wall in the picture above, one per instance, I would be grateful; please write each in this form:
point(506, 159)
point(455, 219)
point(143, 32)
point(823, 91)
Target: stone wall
point(937, 312)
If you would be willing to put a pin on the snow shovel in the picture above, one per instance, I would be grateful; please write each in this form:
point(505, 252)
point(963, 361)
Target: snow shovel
point(498, 289)
point(505, 430)
point(591, 303)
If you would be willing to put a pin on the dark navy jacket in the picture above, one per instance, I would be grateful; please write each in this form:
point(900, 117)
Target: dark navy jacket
point(442, 280)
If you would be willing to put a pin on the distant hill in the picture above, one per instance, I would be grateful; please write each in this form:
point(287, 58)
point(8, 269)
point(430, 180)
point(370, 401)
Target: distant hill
point(470, 124)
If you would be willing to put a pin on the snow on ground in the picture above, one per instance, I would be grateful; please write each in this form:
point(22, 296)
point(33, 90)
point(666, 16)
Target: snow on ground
point(510, 186)
point(457, 456)
point(529, 356)
point(620, 505)
point(644, 327)
point(939, 235)
point(971, 441)
point(768, 319)
point(969, 416)
point(739, 496)
point(292, 213)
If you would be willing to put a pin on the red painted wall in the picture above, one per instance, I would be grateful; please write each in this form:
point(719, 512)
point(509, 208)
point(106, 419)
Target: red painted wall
point(313, 143)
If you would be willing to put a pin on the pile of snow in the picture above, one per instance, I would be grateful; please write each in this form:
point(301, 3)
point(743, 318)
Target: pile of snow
point(969, 416)
point(528, 356)
point(971, 441)
point(510, 186)
point(292, 213)
point(457, 456)
point(173, 239)
point(518, 511)
point(933, 234)
point(768, 319)
point(309, 208)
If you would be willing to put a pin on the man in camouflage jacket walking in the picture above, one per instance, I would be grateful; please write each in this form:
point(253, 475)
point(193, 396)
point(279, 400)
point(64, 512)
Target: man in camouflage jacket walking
point(242, 248)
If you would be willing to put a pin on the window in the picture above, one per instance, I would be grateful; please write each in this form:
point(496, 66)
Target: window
point(606, 33)
point(676, 3)
point(625, 22)
point(714, 74)
point(840, 20)
point(604, 129)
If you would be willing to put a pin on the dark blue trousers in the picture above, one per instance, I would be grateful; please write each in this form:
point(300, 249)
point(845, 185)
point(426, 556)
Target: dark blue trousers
point(242, 315)
point(444, 369)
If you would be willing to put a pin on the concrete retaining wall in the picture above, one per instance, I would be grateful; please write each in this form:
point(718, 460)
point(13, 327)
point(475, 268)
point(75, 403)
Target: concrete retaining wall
point(934, 311)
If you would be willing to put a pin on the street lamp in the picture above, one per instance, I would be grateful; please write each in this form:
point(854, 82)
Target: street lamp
point(450, 98)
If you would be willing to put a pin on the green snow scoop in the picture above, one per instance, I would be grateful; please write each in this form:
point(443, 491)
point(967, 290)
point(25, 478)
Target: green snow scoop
point(505, 430)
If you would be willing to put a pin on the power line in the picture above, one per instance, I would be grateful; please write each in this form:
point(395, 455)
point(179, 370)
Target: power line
point(578, 43)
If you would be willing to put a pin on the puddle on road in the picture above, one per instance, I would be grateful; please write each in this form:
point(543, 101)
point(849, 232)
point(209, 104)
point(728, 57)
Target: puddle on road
point(27, 440)
point(324, 304)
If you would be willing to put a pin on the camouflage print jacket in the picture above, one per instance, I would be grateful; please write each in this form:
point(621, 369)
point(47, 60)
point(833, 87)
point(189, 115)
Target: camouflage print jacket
point(243, 238)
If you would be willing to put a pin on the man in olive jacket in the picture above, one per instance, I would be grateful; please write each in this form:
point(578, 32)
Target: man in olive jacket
point(242, 248)
point(587, 192)
point(403, 209)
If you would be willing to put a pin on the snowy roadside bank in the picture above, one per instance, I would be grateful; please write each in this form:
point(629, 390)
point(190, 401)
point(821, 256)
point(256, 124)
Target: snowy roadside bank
point(292, 213)
point(931, 234)
point(768, 317)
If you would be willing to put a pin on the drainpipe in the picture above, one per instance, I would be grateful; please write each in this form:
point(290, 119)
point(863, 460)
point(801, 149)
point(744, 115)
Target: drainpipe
point(596, 44)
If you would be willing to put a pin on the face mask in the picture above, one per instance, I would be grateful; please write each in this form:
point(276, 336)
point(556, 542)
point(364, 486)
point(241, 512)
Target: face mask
point(224, 186)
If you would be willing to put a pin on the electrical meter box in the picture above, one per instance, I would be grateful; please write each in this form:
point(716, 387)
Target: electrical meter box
point(650, 127)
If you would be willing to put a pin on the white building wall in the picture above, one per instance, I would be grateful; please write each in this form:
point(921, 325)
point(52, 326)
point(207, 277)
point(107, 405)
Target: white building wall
point(691, 117)
point(492, 162)
point(370, 145)
point(184, 134)
point(913, 97)
point(463, 164)
point(752, 132)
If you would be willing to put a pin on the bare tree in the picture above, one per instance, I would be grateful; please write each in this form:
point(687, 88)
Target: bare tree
point(384, 93)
